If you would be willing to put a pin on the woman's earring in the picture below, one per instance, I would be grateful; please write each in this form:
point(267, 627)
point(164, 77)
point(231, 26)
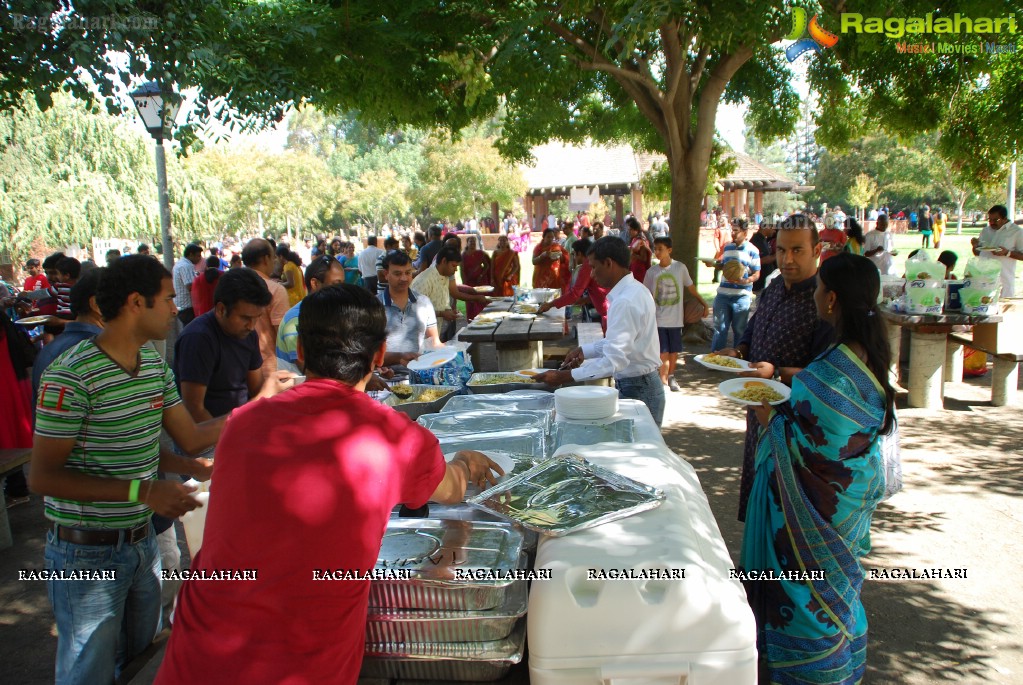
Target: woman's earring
point(831, 308)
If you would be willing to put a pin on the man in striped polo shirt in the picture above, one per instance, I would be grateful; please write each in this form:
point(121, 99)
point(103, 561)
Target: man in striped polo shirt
point(95, 457)
point(740, 267)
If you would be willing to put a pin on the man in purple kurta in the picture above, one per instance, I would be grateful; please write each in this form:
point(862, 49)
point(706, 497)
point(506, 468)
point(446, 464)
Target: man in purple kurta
point(784, 334)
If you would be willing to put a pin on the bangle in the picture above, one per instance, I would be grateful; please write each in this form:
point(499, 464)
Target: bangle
point(133, 491)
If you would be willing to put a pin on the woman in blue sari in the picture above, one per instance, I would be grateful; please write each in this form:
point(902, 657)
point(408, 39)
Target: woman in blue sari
point(819, 476)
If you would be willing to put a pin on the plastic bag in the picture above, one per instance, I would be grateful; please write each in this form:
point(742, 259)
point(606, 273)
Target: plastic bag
point(891, 457)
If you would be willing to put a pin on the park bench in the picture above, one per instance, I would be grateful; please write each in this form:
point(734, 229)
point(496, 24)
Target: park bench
point(10, 461)
point(1004, 375)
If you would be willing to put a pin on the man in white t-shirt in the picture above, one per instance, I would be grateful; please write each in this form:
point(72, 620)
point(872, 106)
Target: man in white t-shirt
point(1007, 237)
point(368, 263)
point(879, 246)
point(665, 280)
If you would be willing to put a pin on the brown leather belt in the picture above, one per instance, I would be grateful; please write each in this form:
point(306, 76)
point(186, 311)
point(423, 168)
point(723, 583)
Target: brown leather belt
point(83, 536)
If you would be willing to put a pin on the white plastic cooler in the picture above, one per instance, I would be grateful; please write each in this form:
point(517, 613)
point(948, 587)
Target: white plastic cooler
point(698, 630)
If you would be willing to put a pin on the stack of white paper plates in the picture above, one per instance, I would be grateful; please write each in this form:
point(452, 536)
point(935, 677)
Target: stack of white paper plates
point(586, 402)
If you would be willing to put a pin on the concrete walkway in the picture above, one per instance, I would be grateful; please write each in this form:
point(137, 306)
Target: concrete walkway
point(961, 508)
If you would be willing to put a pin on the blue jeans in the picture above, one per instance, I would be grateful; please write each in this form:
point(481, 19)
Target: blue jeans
point(729, 312)
point(648, 390)
point(103, 624)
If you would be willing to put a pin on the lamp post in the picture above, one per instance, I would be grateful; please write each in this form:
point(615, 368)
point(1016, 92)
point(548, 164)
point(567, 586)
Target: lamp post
point(158, 106)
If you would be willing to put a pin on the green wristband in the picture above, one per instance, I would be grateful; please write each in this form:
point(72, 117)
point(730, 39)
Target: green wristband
point(133, 491)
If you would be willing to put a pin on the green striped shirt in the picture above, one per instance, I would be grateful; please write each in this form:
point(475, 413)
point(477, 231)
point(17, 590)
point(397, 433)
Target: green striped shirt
point(115, 420)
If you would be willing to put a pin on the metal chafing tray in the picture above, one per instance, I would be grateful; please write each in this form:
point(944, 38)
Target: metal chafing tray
point(481, 382)
point(425, 625)
point(567, 433)
point(566, 494)
point(534, 401)
point(471, 422)
point(414, 407)
point(522, 441)
point(431, 550)
point(461, 661)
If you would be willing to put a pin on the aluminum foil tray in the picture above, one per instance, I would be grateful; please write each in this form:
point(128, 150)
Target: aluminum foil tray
point(432, 549)
point(415, 408)
point(566, 494)
point(523, 441)
point(566, 433)
point(538, 401)
point(482, 383)
point(461, 661)
point(424, 625)
point(463, 512)
point(471, 422)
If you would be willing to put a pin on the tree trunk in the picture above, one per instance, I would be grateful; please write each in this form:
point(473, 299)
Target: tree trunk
point(959, 225)
point(686, 203)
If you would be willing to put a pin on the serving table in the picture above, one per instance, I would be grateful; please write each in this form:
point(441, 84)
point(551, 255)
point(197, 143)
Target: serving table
point(518, 342)
point(931, 360)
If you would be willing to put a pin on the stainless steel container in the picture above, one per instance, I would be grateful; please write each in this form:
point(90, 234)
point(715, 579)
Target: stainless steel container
point(461, 661)
point(424, 625)
point(414, 407)
point(433, 551)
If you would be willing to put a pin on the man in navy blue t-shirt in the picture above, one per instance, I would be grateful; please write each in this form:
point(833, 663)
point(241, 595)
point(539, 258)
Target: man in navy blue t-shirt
point(216, 358)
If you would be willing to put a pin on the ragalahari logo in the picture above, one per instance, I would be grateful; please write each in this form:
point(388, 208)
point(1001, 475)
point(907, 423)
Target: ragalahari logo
point(817, 39)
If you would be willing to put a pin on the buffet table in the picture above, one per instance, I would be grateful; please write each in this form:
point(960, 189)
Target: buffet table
point(519, 343)
point(928, 351)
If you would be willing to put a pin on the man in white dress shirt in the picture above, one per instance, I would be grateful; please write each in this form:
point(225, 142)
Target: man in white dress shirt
point(630, 350)
point(1007, 237)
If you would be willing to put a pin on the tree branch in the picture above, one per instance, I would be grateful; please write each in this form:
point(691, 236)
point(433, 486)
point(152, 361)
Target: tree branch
point(675, 60)
point(710, 97)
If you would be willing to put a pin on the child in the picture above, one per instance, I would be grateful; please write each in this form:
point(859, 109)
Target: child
point(665, 280)
point(68, 270)
point(36, 280)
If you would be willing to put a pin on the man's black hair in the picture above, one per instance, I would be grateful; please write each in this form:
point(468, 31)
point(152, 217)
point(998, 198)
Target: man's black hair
point(632, 224)
point(142, 246)
point(84, 290)
point(435, 231)
point(396, 258)
point(70, 266)
point(582, 246)
point(32, 262)
point(340, 329)
point(448, 254)
point(1000, 210)
point(255, 251)
point(610, 247)
point(135, 273)
point(318, 269)
point(51, 261)
point(371, 240)
point(663, 240)
point(192, 248)
point(241, 285)
point(391, 241)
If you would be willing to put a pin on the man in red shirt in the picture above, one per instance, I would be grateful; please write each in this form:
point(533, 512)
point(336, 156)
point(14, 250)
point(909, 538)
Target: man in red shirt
point(306, 481)
point(36, 280)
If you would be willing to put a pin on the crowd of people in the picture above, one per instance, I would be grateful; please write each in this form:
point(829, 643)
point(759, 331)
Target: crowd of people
point(98, 397)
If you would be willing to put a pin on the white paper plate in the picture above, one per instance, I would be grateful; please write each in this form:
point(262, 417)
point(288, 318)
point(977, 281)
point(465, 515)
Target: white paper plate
point(432, 360)
point(743, 364)
point(522, 317)
point(484, 289)
point(734, 385)
point(988, 248)
point(33, 320)
point(530, 373)
point(483, 324)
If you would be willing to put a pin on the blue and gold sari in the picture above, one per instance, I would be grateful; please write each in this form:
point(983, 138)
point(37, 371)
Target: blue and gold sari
point(819, 476)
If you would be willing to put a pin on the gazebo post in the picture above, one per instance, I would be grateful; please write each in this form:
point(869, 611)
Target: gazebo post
point(619, 212)
point(741, 202)
point(758, 202)
point(495, 214)
point(637, 203)
point(527, 207)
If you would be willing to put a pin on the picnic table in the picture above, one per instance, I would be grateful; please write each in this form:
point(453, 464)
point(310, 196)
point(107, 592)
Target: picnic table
point(518, 342)
point(929, 352)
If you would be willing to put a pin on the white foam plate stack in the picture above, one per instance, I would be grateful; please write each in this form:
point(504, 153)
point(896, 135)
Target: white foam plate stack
point(586, 402)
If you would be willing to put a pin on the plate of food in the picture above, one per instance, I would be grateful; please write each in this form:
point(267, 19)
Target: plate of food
point(477, 324)
point(754, 391)
point(433, 359)
point(525, 309)
point(988, 248)
point(530, 373)
point(719, 362)
point(484, 289)
point(522, 317)
point(33, 320)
